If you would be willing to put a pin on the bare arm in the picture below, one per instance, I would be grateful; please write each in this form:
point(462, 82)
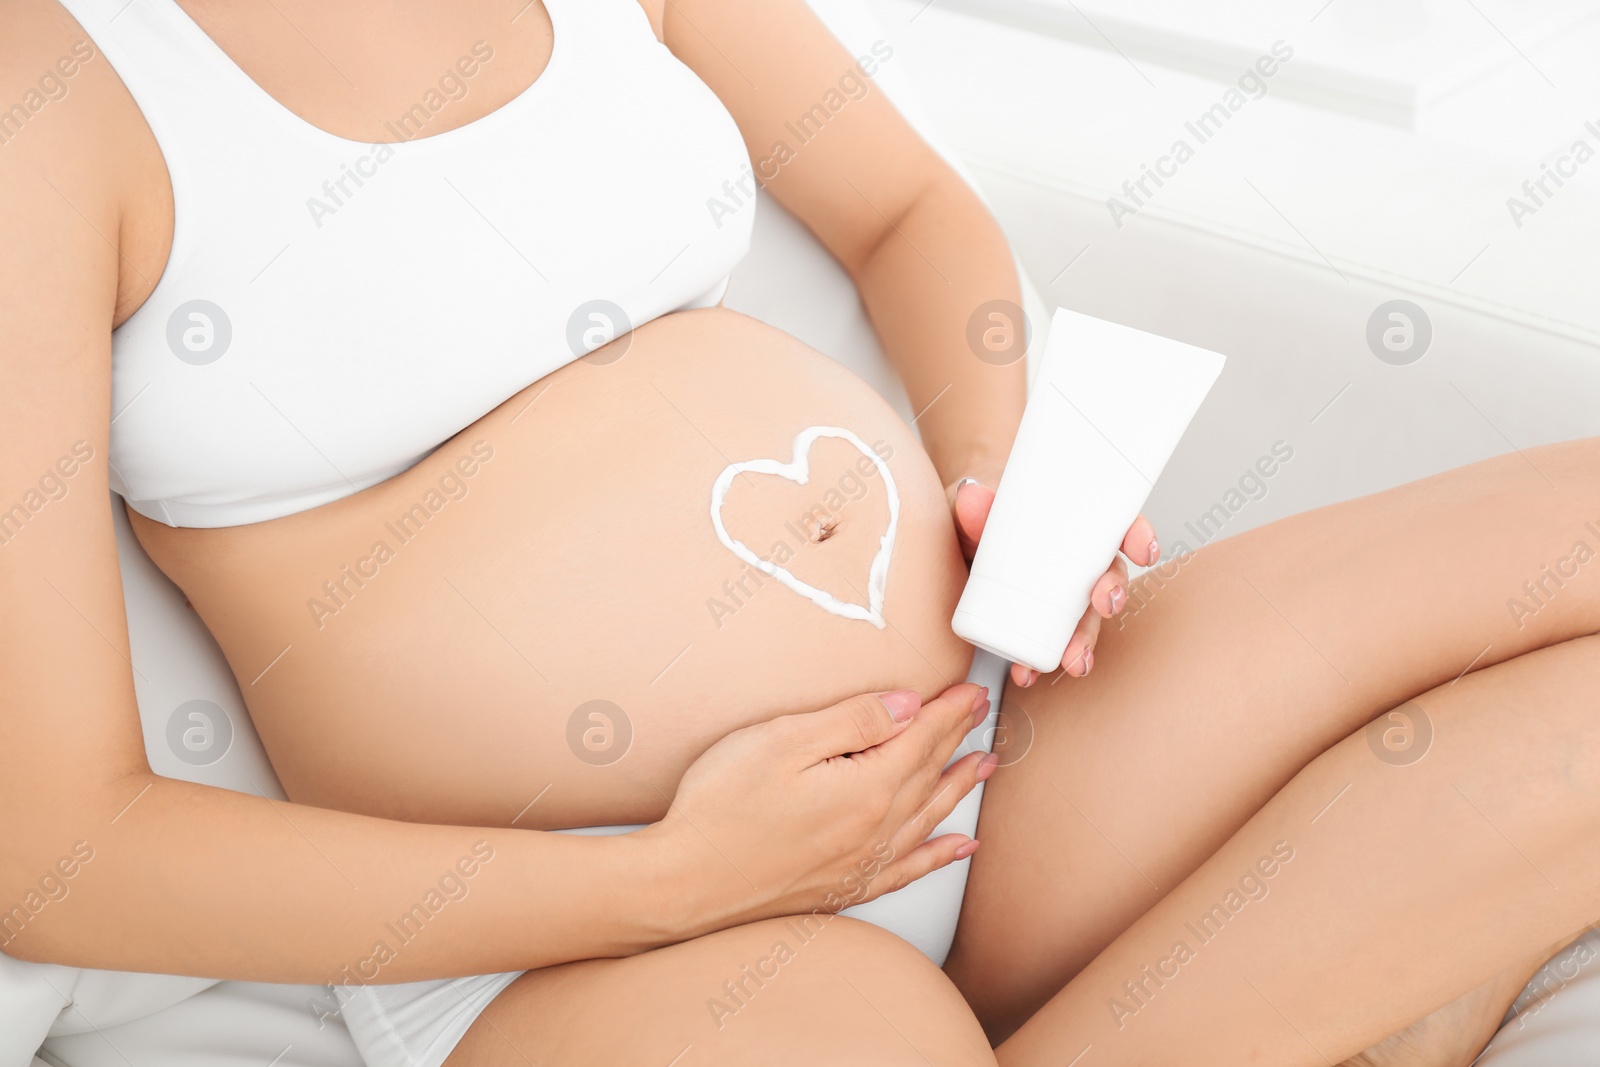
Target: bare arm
point(923, 250)
point(104, 864)
point(150, 857)
point(930, 262)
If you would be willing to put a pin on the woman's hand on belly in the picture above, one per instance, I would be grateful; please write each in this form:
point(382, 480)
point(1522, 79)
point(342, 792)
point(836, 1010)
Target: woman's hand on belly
point(823, 810)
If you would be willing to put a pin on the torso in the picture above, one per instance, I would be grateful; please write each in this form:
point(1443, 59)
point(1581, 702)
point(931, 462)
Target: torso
point(440, 678)
point(577, 562)
point(331, 308)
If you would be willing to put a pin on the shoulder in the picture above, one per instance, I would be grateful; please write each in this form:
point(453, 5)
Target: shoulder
point(55, 113)
point(70, 131)
point(62, 108)
point(46, 59)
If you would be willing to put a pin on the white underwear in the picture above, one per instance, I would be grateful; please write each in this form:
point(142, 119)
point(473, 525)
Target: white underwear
point(417, 1024)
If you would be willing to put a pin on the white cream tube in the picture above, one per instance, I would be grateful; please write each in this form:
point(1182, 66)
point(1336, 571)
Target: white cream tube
point(1107, 407)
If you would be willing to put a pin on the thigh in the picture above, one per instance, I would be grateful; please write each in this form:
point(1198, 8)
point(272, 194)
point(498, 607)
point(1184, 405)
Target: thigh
point(1231, 671)
point(1367, 894)
point(803, 990)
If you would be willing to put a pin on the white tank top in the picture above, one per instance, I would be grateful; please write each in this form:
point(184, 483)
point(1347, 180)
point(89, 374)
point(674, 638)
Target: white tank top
point(332, 310)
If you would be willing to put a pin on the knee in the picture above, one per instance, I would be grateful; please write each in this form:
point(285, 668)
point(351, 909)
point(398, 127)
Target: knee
point(1554, 591)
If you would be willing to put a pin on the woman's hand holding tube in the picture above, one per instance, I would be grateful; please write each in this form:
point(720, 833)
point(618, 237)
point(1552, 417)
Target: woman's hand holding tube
point(822, 810)
point(970, 501)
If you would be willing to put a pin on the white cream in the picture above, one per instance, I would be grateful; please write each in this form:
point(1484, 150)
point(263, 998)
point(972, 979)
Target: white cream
point(798, 470)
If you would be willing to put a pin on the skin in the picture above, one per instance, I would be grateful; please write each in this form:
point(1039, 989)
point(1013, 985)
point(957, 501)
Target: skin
point(87, 209)
point(465, 591)
point(1030, 964)
point(1231, 710)
point(1122, 820)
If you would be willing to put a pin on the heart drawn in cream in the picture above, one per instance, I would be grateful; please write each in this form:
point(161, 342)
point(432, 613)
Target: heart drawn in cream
point(798, 470)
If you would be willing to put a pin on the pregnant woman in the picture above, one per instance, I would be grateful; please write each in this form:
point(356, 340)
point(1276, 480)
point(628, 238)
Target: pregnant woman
point(337, 298)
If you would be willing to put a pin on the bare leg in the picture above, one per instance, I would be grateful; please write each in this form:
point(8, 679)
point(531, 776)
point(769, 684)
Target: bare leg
point(1162, 778)
point(1454, 1035)
point(850, 995)
point(1364, 895)
point(1264, 651)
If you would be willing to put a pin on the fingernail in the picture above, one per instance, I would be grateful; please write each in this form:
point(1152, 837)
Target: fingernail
point(1075, 664)
point(1088, 662)
point(1118, 598)
point(966, 481)
point(987, 765)
point(902, 703)
point(967, 849)
point(980, 711)
point(1155, 550)
point(1029, 678)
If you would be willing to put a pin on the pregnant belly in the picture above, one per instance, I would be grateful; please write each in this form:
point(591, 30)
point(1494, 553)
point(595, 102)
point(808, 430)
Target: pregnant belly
point(541, 622)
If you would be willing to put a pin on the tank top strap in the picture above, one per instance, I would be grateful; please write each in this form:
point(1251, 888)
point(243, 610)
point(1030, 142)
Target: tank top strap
point(199, 102)
point(184, 84)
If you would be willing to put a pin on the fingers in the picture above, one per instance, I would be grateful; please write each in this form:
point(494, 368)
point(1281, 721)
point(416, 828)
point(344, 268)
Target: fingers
point(1140, 545)
point(1106, 600)
point(947, 745)
point(852, 725)
point(970, 503)
point(940, 739)
point(921, 861)
point(1110, 593)
point(1078, 659)
point(938, 727)
point(928, 808)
